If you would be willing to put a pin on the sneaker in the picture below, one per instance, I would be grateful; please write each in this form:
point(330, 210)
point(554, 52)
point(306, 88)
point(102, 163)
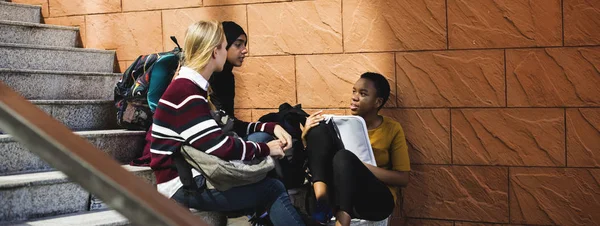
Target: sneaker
point(322, 213)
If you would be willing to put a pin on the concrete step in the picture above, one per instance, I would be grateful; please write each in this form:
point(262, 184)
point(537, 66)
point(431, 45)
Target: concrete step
point(81, 115)
point(113, 218)
point(37, 195)
point(35, 57)
point(38, 34)
point(20, 12)
point(122, 145)
point(54, 85)
point(93, 218)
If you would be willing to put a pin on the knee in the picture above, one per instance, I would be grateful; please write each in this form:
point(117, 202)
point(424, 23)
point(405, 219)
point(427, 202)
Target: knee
point(276, 186)
point(260, 137)
point(342, 161)
point(318, 132)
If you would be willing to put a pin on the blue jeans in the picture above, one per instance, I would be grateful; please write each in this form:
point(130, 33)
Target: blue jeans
point(260, 137)
point(246, 198)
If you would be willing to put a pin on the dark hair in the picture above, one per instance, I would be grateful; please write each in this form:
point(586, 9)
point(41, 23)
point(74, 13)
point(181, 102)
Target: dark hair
point(232, 32)
point(381, 85)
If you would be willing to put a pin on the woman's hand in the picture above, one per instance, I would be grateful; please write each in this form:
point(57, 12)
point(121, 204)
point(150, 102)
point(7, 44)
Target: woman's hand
point(283, 136)
point(312, 121)
point(275, 149)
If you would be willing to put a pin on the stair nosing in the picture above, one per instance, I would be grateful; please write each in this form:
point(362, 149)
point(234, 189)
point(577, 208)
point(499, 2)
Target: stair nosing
point(72, 102)
point(38, 25)
point(21, 5)
point(71, 49)
point(112, 215)
point(82, 73)
point(4, 138)
point(49, 177)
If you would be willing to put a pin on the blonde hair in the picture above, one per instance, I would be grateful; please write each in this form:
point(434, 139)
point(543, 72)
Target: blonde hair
point(201, 39)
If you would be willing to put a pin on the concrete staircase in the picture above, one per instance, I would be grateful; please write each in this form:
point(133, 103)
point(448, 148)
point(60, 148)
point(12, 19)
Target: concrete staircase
point(75, 86)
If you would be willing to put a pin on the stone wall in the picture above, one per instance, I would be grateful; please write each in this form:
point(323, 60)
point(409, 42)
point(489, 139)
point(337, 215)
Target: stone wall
point(499, 99)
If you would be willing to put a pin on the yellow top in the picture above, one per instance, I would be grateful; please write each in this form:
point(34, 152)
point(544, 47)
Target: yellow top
point(389, 144)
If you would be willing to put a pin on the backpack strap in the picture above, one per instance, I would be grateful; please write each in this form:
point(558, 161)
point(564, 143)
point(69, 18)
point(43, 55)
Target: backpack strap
point(176, 43)
point(185, 174)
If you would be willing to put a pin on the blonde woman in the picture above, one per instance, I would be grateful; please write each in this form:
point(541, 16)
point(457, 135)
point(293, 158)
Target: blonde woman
point(183, 116)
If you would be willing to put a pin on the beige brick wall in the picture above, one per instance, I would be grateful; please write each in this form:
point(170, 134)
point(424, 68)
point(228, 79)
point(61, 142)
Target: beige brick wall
point(500, 99)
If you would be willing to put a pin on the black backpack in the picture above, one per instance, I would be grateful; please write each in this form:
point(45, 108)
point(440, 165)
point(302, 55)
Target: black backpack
point(131, 92)
point(292, 168)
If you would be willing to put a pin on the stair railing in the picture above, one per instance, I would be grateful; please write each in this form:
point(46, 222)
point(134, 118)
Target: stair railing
point(86, 165)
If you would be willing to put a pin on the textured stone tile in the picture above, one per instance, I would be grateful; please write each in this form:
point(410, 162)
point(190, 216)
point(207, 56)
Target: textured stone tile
point(130, 34)
point(18, 159)
point(122, 147)
point(458, 193)
point(555, 196)
point(74, 21)
point(265, 82)
point(20, 12)
point(257, 113)
point(78, 7)
point(143, 5)
point(582, 19)
point(83, 115)
point(516, 137)
point(55, 58)
point(553, 77)
point(427, 133)
point(583, 137)
point(244, 114)
point(175, 22)
point(42, 3)
point(392, 25)
point(53, 86)
point(451, 79)
point(502, 24)
point(38, 34)
point(295, 28)
point(231, 2)
point(326, 81)
point(42, 200)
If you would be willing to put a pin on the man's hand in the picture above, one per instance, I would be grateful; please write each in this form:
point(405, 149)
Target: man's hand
point(284, 137)
point(275, 149)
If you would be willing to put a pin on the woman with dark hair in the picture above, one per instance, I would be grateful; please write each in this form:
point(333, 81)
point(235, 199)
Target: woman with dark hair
point(344, 184)
point(183, 117)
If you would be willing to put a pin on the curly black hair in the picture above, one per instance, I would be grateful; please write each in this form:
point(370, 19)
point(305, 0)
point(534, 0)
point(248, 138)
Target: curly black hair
point(381, 85)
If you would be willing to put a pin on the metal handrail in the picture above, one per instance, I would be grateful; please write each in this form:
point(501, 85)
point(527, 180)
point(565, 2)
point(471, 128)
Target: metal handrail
point(86, 165)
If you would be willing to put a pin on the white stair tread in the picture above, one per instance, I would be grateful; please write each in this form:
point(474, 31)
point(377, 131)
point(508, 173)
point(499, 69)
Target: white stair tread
point(39, 178)
point(28, 24)
point(108, 217)
point(92, 133)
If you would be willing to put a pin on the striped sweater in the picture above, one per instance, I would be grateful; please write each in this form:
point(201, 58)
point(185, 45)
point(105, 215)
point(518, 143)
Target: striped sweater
point(183, 117)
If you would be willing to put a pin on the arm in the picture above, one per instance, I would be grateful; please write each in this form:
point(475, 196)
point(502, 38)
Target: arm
point(245, 128)
point(242, 128)
point(390, 177)
point(185, 116)
point(400, 173)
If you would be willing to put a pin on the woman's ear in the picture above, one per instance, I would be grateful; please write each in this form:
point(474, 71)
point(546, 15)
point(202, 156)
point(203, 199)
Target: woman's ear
point(379, 102)
point(214, 53)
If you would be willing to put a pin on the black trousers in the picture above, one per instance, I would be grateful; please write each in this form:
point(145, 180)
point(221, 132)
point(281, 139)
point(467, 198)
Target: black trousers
point(352, 186)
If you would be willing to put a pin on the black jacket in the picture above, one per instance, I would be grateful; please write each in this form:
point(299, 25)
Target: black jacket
point(223, 87)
